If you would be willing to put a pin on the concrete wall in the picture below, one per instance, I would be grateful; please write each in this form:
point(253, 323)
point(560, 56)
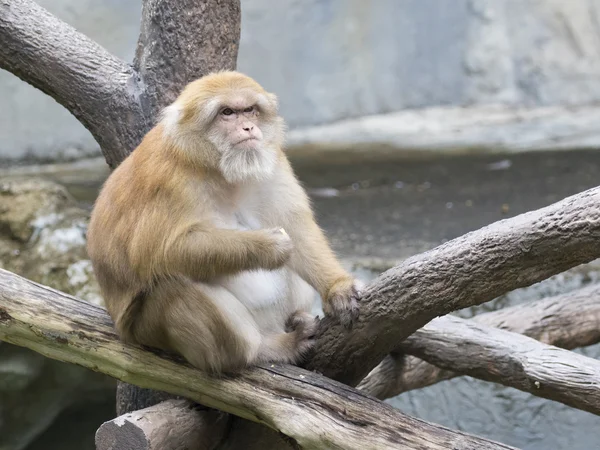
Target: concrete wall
point(339, 59)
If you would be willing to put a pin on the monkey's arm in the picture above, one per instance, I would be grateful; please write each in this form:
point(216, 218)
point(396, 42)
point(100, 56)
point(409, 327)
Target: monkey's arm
point(313, 259)
point(202, 254)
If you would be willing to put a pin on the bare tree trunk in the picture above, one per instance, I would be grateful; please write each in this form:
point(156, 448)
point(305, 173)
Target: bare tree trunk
point(115, 100)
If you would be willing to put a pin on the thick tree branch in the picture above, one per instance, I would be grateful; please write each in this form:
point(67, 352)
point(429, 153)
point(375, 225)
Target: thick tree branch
point(95, 86)
point(314, 411)
point(466, 271)
point(568, 321)
point(510, 359)
point(181, 41)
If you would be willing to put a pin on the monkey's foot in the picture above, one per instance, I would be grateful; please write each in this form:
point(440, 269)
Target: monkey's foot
point(304, 326)
point(342, 301)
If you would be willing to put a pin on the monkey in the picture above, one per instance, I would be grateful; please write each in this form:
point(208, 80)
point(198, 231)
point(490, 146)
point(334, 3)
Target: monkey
point(205, 244)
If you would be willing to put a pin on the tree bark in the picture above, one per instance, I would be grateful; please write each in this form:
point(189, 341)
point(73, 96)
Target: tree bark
point(571, 320)
point(313, 410)
point(568, 321)
point(510, 359)
point(181, 41)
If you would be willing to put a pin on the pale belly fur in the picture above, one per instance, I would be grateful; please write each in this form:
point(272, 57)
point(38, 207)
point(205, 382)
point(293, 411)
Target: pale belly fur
point(270, 296)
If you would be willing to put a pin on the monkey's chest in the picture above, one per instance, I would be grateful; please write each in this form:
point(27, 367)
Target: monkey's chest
point(257, 289)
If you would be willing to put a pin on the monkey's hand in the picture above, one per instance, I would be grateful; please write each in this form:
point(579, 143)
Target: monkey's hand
point(279, 246)
point(342, 301)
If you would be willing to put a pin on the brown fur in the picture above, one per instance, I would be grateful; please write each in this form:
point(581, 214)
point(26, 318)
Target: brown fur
point(169, 249)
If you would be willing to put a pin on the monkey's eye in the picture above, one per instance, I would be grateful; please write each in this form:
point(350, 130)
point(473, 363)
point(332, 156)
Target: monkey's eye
point(249, 109)
point(227, 112)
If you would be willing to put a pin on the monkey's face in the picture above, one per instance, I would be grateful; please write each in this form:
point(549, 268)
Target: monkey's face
point(229, 121)
point(238, 125)
point(247, 133)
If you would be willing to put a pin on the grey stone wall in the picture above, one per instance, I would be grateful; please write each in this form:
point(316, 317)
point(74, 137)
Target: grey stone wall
point(344, 59)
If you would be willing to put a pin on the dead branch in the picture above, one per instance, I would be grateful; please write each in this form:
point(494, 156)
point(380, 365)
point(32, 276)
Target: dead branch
point(568, 321)
point(510, 359)
point(313, 410)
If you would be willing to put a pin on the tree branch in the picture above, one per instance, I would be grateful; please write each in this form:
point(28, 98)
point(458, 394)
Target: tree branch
point(510, 359)
point(95, 86)
point(313, 410)
point(568, 321)
point(181, 41)
point(466, 271)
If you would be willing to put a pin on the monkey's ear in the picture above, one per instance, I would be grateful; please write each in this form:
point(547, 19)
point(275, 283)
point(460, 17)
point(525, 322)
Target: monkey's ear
point(170, 117)
point(274, 102)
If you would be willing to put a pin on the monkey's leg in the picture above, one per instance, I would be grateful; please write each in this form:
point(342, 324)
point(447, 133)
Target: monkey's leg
point(289, 347)
point(215, 332)
point(209, 327)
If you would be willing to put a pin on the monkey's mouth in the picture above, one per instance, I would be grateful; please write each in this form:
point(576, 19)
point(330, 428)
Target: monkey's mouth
point(247, 140)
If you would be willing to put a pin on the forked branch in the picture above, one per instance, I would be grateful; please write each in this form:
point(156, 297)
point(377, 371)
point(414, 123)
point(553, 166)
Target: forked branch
point(116, 101)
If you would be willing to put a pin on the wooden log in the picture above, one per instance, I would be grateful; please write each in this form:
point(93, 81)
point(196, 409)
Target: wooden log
point(510, 359)
point(314, 411)
point(170, 425)
point(567, 321)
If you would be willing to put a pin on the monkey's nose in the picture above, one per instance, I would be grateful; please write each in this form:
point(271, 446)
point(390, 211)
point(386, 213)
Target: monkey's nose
point(248, 128)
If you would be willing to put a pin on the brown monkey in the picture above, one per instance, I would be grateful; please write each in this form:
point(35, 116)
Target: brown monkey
point(187, 235)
